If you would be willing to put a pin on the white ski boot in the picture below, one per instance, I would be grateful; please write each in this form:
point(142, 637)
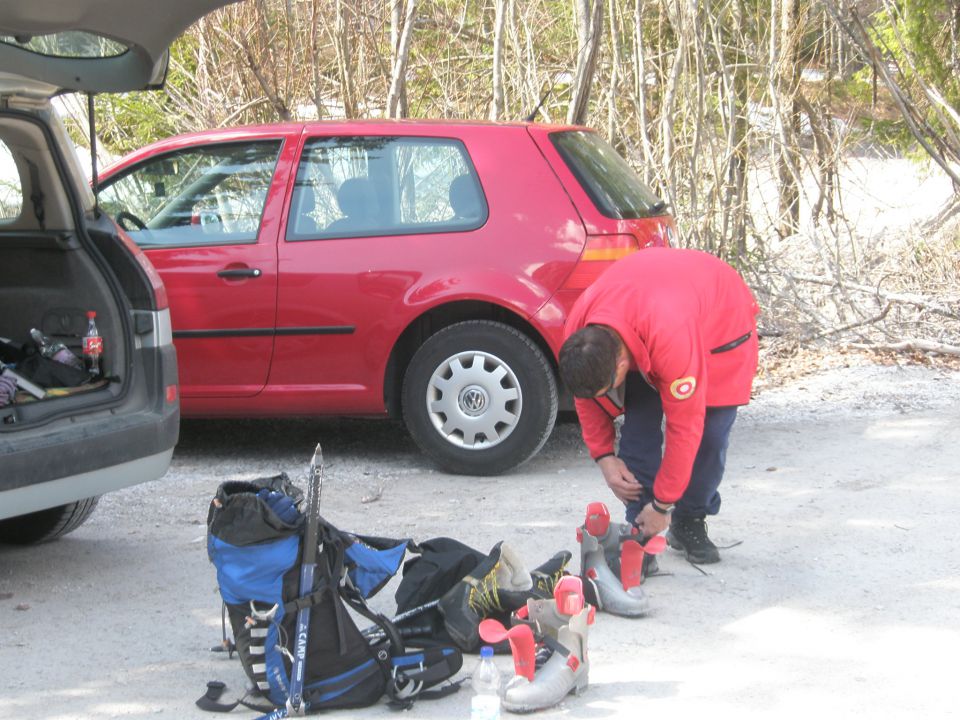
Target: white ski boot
point(603, 544)
point(561, 624)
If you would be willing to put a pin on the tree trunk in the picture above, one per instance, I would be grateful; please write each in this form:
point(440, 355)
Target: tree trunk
point(344, 61)
point(668, 107)
point(787, 72)
point(589, 30)
point(640, 92)
point(737, 199)
point(316, 92)
point(497, 102)
point(396, 26)
point(398, 82)
point(615, 63)
point(204, 88)
point(955, 36)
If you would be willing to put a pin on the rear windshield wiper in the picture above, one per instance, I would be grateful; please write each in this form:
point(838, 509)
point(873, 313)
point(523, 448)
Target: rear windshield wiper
point(658, 207)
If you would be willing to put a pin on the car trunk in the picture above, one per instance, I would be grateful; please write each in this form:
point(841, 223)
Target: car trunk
point(51, 274)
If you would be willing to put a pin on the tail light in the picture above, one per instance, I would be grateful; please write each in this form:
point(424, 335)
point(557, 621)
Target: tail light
point(170, 394)
point(600, 252)
point(603, 250)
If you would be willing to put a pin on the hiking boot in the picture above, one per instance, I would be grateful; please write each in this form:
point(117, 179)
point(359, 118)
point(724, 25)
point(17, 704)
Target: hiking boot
point(689, 534)
point(544, 579)
point(546, 576)
point(650, 565)
point(478, 595)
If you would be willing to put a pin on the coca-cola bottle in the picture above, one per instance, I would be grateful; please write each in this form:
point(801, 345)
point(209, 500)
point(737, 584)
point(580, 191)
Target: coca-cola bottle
point(92, 345)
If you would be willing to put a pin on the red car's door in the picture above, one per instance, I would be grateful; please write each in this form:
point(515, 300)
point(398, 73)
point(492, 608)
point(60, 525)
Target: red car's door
point(369, 215)
point(208, 216)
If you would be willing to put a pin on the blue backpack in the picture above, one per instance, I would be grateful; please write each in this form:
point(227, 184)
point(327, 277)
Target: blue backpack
point(255, 534)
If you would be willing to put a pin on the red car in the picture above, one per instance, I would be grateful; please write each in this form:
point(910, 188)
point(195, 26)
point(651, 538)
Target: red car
point(383, 268)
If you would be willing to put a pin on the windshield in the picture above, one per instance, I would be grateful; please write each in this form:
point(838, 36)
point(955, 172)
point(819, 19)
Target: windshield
point(68, 44)
point(611, 183)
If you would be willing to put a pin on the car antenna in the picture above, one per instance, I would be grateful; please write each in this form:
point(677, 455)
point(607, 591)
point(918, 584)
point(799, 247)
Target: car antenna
point(95, 184)
point(533, 115)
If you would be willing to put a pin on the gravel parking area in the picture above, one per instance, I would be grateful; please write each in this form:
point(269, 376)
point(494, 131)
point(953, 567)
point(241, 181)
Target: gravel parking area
point(842, 599)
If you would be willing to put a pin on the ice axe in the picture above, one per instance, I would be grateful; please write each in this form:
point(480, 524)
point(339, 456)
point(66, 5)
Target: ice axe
point(295, 704)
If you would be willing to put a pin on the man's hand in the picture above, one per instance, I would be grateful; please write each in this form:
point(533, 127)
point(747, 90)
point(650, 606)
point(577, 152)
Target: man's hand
point(651, 522)
point(620, 480)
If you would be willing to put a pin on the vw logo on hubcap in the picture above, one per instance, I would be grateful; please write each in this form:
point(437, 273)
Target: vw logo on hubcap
point(473, 400)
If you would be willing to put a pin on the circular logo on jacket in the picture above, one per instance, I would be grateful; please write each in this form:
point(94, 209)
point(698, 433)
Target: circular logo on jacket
point(682, 388)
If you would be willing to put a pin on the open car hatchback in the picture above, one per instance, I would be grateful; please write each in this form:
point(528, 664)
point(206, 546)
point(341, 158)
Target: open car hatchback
point(68, 434)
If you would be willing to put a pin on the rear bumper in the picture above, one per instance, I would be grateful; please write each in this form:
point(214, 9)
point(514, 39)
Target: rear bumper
point(105, 447)
point(95, 442)
point(42, 495)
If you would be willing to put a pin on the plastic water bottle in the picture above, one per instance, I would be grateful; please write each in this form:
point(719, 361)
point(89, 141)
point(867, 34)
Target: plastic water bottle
point(92, 345)
point(485, 704)
point(55, 350)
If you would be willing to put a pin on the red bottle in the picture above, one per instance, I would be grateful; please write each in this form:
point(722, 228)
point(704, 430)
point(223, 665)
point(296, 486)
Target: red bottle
point(92, 345)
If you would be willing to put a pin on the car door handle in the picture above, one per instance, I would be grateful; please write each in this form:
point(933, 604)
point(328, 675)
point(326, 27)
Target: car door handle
point(239, 273)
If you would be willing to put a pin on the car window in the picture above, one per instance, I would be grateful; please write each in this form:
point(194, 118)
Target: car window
point(211, 195)
point(69, 43)
point(608, 180)
point(363, 186)
point(11, 190)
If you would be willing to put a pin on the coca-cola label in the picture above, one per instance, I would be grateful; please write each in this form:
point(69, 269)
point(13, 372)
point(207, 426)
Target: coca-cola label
point(93, 345)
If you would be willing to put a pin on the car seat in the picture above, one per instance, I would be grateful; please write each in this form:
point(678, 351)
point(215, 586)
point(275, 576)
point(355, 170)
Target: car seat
point(464, 198)
point(358, 203)
point(304, 203)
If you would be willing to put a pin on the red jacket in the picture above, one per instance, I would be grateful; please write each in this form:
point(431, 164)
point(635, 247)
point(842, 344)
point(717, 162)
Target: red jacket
point(675, 310)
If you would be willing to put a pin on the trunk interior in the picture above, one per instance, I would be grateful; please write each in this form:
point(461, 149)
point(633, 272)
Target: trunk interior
point(49, 278)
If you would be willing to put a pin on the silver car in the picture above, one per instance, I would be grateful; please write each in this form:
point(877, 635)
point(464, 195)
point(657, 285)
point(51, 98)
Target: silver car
point(63, 444)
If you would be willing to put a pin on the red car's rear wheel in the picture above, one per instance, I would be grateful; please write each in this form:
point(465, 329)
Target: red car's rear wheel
point(479, 397)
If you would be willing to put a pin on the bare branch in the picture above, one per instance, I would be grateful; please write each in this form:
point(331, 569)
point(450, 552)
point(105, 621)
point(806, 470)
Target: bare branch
point(910, 346)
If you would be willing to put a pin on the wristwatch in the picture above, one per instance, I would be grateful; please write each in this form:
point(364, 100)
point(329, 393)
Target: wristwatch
point(662, 508)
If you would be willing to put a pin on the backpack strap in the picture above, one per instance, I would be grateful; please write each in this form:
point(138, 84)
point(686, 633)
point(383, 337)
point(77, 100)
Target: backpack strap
point(428, 667)
point(410, 673)
point(210, 701)
point(334, 686)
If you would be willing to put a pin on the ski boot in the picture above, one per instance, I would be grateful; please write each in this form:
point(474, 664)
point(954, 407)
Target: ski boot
point(609, 550)
point(561, 624)
point(478, 594)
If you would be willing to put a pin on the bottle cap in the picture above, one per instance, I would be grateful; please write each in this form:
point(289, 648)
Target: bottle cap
point(486, 651)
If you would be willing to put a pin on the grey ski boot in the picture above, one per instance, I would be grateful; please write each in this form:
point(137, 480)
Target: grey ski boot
point(561, 623)
point(603, 543)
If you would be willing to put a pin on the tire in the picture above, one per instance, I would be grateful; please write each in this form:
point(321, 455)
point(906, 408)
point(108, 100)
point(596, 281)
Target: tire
point(46, 525)
point(479, 398)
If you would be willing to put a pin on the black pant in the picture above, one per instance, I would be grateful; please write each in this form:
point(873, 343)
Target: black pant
point(641, 448)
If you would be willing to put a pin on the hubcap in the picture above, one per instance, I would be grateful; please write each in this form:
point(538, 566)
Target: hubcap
point(474, 400)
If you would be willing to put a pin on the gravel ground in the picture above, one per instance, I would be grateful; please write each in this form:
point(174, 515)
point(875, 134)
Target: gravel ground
point(842, 600)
